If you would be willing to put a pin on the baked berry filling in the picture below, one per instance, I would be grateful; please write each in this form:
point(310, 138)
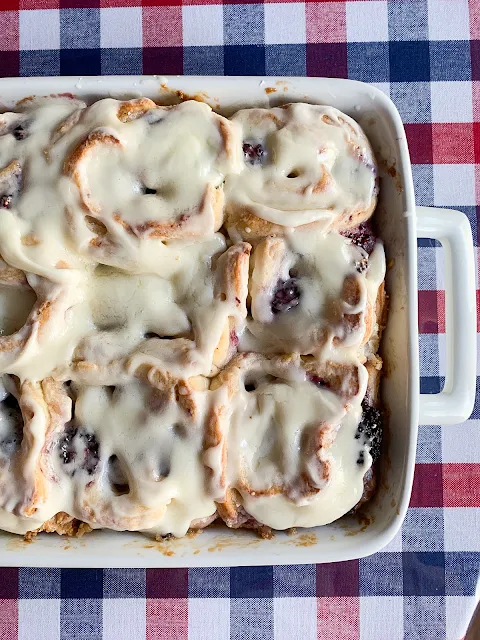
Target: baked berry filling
point(319, 382)
point(6, 201)
point(11, 427)
point(286, 296)
point(370, 429)
point(79, 450)
point(363, 236)
point(16, 125)
point(253, 153)
point(361, 265)
point(19, 132)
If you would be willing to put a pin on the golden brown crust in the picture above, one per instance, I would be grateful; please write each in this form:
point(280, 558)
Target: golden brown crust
point(341, 378)
point(31, 401)
point(379, 315)
point(172, 389)
point(241, 221)
point(133, 109)
point(231, 286)
point(64, 127)
point(63, 525)
point(234, 516)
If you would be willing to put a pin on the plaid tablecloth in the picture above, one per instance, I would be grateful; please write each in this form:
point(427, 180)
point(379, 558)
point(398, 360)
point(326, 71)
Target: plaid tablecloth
point(426, 55)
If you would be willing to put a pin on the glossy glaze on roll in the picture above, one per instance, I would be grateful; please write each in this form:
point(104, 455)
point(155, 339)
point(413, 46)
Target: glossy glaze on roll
point(190, 314)
point(302, 164)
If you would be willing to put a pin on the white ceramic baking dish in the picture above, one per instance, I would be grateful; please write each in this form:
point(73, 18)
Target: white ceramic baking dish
point(400, 223)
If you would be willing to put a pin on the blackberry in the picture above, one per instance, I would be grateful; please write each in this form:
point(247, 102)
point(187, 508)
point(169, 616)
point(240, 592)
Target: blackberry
point(370, 428)
point(19, 133)
point(66, 447)
point(80, 449)
point(92, 456)
point(6, 201)
point(319, 382)
point(11, 439)
point(253, 153)
point(286, 296)
point(363, 236)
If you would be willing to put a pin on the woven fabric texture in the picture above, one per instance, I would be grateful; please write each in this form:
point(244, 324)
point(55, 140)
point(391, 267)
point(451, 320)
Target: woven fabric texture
point(425, 54)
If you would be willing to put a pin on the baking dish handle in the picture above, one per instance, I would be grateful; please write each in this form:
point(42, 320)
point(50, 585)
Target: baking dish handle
point(455, 403)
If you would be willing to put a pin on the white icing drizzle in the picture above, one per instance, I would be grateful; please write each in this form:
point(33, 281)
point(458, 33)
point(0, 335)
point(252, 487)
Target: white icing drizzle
point(340, 494)
point(315, 165)
point(292, 454)
point(154, 483)
point(318, 266)
point(115, 280)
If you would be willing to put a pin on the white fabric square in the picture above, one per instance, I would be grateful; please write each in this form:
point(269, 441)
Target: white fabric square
point(39, 618)
point(284, 23)
point(202, 25)
point(121, 27)
point(39, 29)
point(427, 344)
point(295, 618)
point(427, 280)
point(478, 355)
point(442, 354)
point(395, 544)
point(454, 185)
point(379, 614)
point(457, 441)
point(448, 20)
point(462, 524)
point(451, 101)
point(367, 21)
point(214, 610)
point(477, 268)
point(123, 618)
point(383, 86)
point(459, 611)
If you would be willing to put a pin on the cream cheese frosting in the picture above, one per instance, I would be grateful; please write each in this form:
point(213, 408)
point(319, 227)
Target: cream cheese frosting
point(161, 362)
point(303, 163)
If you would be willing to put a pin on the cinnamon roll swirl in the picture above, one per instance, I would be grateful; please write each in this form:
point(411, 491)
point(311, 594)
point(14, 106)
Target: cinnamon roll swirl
point(303, 164)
